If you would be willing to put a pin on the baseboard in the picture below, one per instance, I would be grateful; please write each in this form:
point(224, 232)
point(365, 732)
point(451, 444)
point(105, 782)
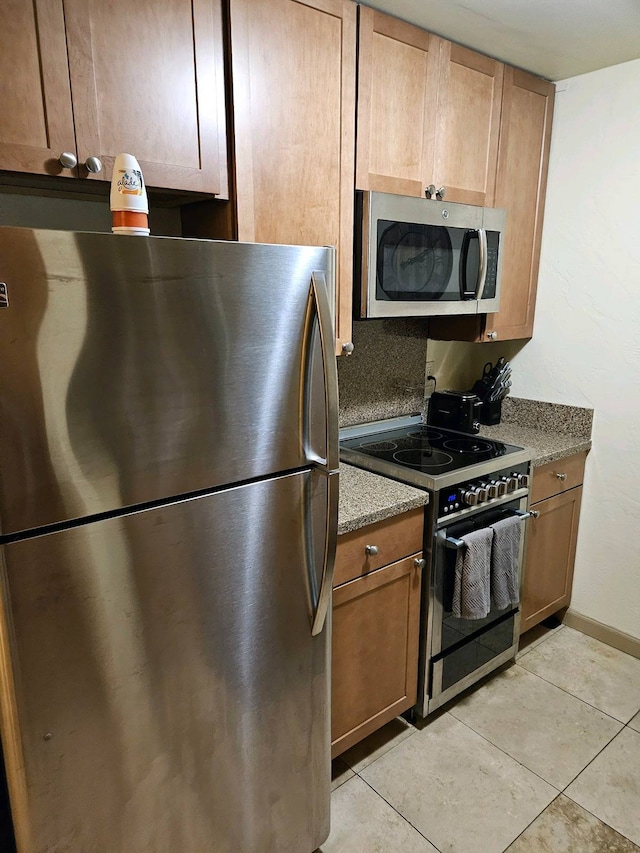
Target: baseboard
point(610, 636)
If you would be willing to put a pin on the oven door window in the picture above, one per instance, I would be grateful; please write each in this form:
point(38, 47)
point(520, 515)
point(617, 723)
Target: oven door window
point(426, 263)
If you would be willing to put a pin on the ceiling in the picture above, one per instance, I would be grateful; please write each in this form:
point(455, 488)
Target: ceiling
point(552, 38)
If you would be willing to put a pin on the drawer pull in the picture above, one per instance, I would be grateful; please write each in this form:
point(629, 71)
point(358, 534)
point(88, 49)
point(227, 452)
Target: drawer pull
point(419, 564)
point(534, 513)
point(561, 476)
point(371, 550)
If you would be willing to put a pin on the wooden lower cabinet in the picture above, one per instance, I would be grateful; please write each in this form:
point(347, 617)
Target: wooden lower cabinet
point(551, 540)
point(374, 670)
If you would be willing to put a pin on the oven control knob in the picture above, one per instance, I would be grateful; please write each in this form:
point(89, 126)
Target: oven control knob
point(483, 495)
point(502, 487)
point(523, 480)
point(493, 490)
point(470, 496)
point(512, 483)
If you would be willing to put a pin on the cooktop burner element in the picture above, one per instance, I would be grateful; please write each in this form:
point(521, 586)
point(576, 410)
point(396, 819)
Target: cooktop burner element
point(467, 445)
point(424, 459)
point(408, 450)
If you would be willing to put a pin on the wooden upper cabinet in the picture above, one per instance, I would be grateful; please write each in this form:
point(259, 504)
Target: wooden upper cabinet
point(428, 113)
point(523, 162)
point(293, 68)
point(147, 78)
point(97, 79)
point(467, 124)
point(36, 119)
point(397, 100)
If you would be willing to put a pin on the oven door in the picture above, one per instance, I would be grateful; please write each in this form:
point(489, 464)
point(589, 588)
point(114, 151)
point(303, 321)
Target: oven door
point(464, 650)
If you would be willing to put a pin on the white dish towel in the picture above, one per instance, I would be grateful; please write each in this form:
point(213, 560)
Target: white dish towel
point(505, 590)
point(472, 589)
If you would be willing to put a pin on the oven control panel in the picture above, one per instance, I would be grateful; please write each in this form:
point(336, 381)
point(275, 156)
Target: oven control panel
point(482, 490)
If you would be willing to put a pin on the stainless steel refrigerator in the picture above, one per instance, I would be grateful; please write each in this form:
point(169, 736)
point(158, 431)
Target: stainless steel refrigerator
point(168, 512)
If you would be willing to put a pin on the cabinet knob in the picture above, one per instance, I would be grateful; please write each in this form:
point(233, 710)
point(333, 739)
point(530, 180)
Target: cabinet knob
point(419, 564)
point(371, 550)
point(562, 477)
point(492, 335)
point(93, 164)
point(347, 348)
point(68, 159)
point(430, 190)
point(534, 513)
point(440, 194)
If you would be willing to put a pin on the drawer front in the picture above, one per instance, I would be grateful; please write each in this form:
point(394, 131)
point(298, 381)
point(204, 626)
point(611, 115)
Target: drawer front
point(556, 477)
point(394, 538)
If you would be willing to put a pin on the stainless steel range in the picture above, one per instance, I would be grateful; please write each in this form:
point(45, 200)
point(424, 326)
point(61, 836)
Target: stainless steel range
point(473, 482)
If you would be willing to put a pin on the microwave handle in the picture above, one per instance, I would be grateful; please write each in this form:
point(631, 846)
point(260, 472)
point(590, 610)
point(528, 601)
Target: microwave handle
point(482, 272)
point(470, 235)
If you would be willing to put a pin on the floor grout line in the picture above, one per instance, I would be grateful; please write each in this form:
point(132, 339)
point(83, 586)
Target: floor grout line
point(569, 693)
point(592, 760)
point(573, 695)
point(504, 752)
point(601, 819)
point(531, 822)
point(405, 819)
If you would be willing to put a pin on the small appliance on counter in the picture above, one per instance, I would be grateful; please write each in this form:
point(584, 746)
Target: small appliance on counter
point(457, 410)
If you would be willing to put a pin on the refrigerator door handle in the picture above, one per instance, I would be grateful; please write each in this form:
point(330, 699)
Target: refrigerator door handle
point(329, 552)
point(318, 306)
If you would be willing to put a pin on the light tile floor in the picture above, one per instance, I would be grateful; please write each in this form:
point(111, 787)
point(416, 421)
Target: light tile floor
point(542, 758)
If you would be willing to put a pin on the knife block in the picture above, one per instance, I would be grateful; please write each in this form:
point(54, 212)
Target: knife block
point(491, 412)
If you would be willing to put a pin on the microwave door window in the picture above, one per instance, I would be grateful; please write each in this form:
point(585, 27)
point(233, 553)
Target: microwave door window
point(415, 263)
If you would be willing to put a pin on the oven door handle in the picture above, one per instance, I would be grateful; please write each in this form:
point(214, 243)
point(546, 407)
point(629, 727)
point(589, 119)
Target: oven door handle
point(456, 544)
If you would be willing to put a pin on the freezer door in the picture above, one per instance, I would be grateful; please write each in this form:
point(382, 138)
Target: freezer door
point(169, 693)
point(134, 370)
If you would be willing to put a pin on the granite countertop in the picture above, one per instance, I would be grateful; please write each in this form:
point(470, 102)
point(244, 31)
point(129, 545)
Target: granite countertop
point(366, 497)
point(544, 446)
point(550, 431)
point(559, 431)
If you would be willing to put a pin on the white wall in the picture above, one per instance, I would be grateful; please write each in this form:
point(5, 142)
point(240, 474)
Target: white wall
point(586, 344)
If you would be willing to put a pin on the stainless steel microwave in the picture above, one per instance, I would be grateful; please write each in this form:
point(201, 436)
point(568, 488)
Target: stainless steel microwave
point(424, 258)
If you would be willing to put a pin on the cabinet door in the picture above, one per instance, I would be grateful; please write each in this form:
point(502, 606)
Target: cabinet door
point(36, 121)
point(146, 78)
point(468, 124)
point(523, 161)
point(550, 556)
point(374, 669)
point(397, 101)
point(294, 107)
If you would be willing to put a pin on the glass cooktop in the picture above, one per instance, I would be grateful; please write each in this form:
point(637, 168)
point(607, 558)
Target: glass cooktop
point(429, 451)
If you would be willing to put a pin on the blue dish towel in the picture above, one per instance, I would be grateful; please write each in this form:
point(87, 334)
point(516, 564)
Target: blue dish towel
point(471, 589)
point(505, 588)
